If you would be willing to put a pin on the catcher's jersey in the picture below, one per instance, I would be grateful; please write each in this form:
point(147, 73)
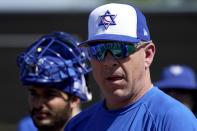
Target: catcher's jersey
point(155, 111)
point(26, 124)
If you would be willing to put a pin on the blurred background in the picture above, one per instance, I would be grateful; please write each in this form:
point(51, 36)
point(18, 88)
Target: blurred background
point(172, 25)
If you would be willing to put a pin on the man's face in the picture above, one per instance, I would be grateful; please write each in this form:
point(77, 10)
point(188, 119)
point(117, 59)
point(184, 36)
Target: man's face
point(49, 107)
point(119, 78)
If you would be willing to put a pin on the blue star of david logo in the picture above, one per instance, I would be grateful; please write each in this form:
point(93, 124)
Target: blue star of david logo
point(107, 19)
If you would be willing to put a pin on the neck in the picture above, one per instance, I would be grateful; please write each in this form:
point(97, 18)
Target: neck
point(138, 90)
point(76, 110)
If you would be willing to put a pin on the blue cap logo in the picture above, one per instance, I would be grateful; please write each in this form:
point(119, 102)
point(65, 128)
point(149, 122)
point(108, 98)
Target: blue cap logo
point(107, 19)
point(176, 70)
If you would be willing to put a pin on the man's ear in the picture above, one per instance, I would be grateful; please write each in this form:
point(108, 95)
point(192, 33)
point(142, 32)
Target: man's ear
point(149, 54)
point(74, 101)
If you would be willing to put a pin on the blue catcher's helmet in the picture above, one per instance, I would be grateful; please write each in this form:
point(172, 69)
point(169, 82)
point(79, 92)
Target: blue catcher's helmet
point(56, 61)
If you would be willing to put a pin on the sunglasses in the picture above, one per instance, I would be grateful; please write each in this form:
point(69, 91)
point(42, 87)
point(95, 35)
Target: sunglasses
point(119, 50)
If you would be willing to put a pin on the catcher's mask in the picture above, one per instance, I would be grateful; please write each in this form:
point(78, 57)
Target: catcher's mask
point(56, 61)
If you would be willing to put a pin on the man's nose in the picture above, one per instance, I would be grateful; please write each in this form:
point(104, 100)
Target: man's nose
point(109, 59)
point(38, 102)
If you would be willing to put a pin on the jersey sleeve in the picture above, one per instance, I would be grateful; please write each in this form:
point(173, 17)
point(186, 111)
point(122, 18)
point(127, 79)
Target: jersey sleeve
point(180, 119)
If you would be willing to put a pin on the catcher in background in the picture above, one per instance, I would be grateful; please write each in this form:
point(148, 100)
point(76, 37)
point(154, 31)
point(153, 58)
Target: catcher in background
point(121, 54)
point(179, 81)
point(53, 68)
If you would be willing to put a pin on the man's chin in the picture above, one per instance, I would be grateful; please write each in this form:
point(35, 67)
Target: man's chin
point(44, 124)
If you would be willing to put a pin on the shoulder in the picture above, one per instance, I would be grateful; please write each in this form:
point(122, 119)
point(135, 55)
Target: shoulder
point(170, 113)
point(26, 119)
point(160, 100)
point(180, 118)
point(25, 124)
point(161, 103)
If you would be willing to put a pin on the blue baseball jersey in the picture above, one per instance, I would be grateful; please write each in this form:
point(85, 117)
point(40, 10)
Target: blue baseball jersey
point(26, 124)
point(155, 111)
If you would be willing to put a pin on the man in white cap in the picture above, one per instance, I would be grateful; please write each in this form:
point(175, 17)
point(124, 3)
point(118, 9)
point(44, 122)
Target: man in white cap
point(121, 54)
point(179, 81)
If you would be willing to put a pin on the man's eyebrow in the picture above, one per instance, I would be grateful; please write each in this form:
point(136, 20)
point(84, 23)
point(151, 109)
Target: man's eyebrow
point(52, 91)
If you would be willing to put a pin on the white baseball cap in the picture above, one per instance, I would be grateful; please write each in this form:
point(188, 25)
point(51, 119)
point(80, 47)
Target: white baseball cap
point(117, 22)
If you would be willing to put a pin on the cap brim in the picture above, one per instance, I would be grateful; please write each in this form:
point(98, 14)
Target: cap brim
point(175, 84)
point(110, 37)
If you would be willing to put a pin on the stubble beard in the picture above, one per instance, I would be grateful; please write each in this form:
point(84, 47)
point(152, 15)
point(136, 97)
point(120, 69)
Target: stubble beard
point(58, 121)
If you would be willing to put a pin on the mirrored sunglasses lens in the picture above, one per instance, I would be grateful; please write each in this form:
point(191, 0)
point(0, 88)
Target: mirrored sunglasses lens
point(96, 53)
point(118, 50)
point(117, 53)
point(123, 51)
